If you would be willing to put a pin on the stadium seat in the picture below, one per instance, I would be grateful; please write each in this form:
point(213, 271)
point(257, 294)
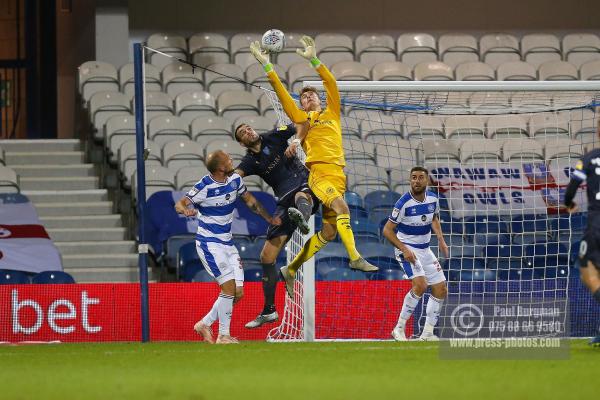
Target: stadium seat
point(391, 71)
point(157, 104)
point(202, 275)
point(182, 153)
point(344, 274)
point(583, 121)
point(300, 72)
point(239, 45)
point(503, 251)
point(493, 239)
point(193, 104)
point(529, 223)
point(376, 250)
point(259, 123)
point(415, 48)
point(151, 77)
point(9, 180)
point(489, 102)
point(365, 228)
point(255, 74)
point(351, 71)
point(10, 277)
point(353, 199)
point(452, 226)
point(104, 105)
point(498, 48)
point(477, 275)
point(164, 129)
point(524, 149)
point(440, 150)
point(484, 224)
point(516, 71)
point(381, 199)
point(539, 48)
point(178, 78)
point(557, 71)
point(157, 179)
point(252, 273)
point(174, 45)
point(506, 126)
point(57, 277)
point(571, 223)
point(266, 107)
point(374, 123)
point(474, 150)
point(563, 148)
point(208, 127)
point(394, 154)
point(96, 76)
point(590, 70)
point(458, 48)
point(350, 129)
point(288, 56)
point(255, 225)
point(188, 261)
point(334, 47)
point(433, 71)
point(465, 249)
point(384, 262)
point(371, 49)
point(235, 103)
point(186, 177)
point(216, 83)
point(474, 71)
point(459, 264)
point(172, 246)
point(580, 48)
point(233, 148)
point(424, 126)
point(250, 251)
point(127, 158)
point(366, 178)
point(464, 127)
point(549, 124)
point(387, 275)
point(208, 48)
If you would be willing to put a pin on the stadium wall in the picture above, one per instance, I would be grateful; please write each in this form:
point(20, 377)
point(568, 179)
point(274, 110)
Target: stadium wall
point(111, 312)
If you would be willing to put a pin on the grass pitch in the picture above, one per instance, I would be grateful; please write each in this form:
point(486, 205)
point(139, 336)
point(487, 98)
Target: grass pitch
point(286, 371)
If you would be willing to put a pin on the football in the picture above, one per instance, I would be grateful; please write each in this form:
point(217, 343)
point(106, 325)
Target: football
point(273, 41)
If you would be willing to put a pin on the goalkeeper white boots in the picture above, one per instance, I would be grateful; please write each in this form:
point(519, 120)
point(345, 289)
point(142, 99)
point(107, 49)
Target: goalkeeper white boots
point(363, 265)
point(289, 281)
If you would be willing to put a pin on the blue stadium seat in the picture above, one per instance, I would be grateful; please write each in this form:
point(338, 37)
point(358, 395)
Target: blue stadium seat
point(10, 277)
point(465, 249)
point(484, 224)
point(252, 274)
point(333, 262)
point(332, 249)
point(190, 270)
point(478, 275)
point(353, 199)
point(202, 276)
point(357, 212)
point(372, 250)
point(574, 223)
point(452, 226)
point(189, 262)
point(550, 272)
point(250, 251)
point(344, 274)
point(492, 239)
point(256, 225)
point(241, 239)
point(387, 275)
point(384, 262)
point(381, 200)
point(503, 251)
point(530, 238)
point(504, 264)
point(174, 243)
point(52, 277)
point(529, 223)
point(464, 264)
point(443, 200)
point(162, 221)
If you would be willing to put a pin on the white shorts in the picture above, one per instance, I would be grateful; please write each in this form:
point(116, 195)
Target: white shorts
point(222, 261)
point(427, 265)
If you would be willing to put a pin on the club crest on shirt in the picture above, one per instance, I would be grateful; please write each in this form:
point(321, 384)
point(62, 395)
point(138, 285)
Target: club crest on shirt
point(395, 213)
point(227, 196)
point(431, 208)
point(330, 190)
point(423, 218)
point(193, 191)
point(234, 185)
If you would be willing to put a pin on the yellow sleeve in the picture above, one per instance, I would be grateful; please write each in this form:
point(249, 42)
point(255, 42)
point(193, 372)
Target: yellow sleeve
point(331, 89)
point(289, 105)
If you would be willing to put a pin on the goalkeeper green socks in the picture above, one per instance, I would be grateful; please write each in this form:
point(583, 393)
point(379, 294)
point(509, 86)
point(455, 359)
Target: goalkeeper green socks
point(314, 244)
point(345, 231)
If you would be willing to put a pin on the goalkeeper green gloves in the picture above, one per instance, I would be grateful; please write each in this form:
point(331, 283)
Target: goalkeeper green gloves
point(310, 50)
point(261, 55)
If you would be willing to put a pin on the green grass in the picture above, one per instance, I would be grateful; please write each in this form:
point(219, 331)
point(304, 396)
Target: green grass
point(286, 371)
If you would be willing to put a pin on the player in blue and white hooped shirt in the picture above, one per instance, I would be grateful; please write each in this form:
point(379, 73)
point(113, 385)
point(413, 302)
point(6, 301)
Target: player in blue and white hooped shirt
point(409, 228)
point(213, 200)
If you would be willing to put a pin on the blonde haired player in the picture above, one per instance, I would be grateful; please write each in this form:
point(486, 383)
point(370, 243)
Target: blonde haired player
point(320, 134)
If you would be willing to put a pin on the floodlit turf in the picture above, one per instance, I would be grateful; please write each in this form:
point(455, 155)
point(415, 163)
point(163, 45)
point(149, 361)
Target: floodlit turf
point(286, 371)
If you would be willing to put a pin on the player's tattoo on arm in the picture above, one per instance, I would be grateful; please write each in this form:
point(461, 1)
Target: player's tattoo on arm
point(255, 206)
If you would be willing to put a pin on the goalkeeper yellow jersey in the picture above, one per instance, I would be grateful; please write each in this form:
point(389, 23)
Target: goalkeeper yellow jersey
point(323, 141)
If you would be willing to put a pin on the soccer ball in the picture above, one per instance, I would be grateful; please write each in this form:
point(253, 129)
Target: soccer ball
point(273, 41)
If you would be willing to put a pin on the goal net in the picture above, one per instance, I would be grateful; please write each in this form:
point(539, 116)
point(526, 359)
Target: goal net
point(499, 156)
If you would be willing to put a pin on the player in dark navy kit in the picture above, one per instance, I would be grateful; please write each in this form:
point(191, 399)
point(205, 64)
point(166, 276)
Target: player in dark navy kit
point(588, 170)
point(270, 157)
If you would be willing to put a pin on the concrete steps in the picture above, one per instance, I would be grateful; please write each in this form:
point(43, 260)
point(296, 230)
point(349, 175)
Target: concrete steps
point(76, 221)
point(77, 213)
point(56, 170)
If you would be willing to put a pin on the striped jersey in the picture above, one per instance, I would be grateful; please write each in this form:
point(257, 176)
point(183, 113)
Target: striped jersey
point(413, 219)
point(215, 202)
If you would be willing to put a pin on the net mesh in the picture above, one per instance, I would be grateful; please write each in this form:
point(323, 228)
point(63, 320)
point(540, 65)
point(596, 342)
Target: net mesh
point(499, 162)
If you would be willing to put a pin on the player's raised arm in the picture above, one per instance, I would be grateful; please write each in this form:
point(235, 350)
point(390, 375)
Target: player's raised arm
point(288, 103)
point(256, 207)
point(329, 82)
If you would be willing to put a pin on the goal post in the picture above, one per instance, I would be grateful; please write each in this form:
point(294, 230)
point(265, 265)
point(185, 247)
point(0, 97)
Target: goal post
point(499, 156)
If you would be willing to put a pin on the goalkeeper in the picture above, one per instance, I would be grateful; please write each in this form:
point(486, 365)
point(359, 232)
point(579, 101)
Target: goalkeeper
point(320, 134)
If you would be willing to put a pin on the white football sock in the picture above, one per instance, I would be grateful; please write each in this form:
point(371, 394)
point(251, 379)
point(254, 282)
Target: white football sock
point(433, 313)
point(411, 301)
point(212, 315)
point(225, 307)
